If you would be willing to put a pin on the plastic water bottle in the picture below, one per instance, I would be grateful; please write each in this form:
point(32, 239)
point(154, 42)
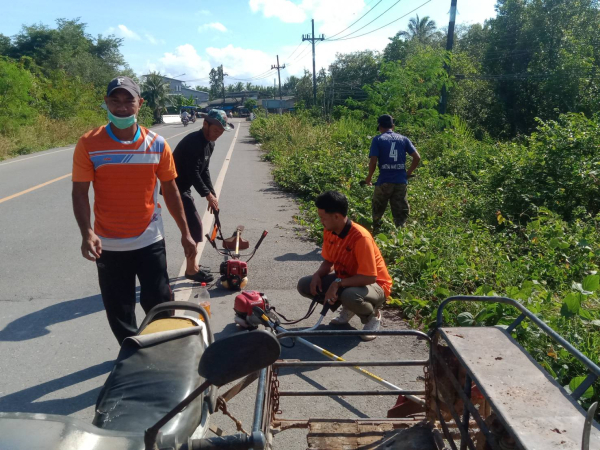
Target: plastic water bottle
point(202, 298)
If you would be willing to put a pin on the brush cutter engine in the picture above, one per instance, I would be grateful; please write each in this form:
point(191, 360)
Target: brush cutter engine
point(234, 274)
point(244, 302)
point(234, 271)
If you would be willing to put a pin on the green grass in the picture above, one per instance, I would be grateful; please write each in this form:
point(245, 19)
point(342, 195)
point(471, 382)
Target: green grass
point(475, 228)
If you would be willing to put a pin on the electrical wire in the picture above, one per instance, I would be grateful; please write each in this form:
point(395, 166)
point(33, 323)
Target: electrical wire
point(340, 32)
point(387, 24)
point(295, 50)
point(356, 31)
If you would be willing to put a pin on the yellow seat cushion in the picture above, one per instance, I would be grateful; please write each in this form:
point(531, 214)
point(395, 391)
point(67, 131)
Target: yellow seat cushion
point(172, 323)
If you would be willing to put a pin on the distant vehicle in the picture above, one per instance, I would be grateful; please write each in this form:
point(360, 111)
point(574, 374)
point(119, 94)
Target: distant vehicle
point(244, 112)
point(191, 110)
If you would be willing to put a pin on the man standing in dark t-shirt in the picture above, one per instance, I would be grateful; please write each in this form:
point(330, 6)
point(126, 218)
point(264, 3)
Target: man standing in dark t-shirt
point(192, 158)
point(388, 151)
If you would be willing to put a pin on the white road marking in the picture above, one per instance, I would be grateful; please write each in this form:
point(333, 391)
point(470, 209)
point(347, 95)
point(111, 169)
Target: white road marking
point(36, 156)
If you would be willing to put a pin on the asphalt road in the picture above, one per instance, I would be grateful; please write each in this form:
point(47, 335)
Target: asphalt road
point(56, 346)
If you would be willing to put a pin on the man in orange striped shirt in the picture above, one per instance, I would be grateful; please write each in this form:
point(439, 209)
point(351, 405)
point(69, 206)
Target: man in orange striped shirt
point(353, 270)
point(125, 161)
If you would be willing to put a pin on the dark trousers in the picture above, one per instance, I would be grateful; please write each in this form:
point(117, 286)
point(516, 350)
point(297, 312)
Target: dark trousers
point(395, 195)
point(191, 215)
point(117, 272)
point(364, 301)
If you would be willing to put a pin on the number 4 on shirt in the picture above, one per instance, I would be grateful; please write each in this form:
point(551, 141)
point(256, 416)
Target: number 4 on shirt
point(394, 152)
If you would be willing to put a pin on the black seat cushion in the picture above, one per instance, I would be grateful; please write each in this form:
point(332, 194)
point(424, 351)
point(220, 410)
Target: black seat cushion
point(152, 374)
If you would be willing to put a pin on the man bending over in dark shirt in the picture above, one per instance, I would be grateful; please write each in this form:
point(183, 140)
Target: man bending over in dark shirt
point(192, 157)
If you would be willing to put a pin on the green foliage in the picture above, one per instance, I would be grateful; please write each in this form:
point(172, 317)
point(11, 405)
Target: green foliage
point(68, 48)
point(15, 100)
point(410, 89)
point(250, 104)
point(216, 82)
point(460, 238)
point(155, 92)
point(52, 82)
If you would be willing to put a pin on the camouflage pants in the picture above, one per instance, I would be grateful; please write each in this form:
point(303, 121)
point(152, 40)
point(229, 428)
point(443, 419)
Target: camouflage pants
point(396, 195)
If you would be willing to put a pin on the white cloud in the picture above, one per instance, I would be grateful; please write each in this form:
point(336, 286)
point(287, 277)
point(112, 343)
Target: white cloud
point(153, 40)
point(203, 12)
point(124, 32)
point(186, 60)
point(285, 10)
point(241, 62)
point(214, 26)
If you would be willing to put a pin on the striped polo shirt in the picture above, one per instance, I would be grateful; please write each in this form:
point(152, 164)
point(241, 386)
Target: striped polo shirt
point(124, 176)
point(354, 252)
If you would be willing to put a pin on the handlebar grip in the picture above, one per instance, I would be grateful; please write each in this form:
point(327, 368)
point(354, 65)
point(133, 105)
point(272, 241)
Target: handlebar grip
point(212, 242)
point(262, 238)
point(217, 221)
point(326, 307)
point(232, 442)
point(260, 313)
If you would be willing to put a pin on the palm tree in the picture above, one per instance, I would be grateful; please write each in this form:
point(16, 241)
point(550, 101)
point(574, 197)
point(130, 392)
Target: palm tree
point(249, 86)
point(155, 91)
point(420, 29)
point(239, 86)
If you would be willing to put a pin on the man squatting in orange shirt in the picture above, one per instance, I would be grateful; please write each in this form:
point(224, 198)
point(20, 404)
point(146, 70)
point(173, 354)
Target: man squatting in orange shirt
point(359, 280)
point(124, 162)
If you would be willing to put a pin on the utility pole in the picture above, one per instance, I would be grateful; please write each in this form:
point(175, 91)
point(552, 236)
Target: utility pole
point(449, 45)
point(312, 38)
point(278, 67)
point(223, 75)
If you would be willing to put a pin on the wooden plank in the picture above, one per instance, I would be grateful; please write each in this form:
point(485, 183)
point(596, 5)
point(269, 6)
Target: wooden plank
point(353, 434)
point(537, 410)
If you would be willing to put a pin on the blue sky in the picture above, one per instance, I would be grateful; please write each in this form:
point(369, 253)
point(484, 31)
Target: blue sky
point(243, 35)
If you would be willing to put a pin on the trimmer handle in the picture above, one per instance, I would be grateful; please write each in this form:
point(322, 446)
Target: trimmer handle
point(262, 238)
point(217, 221)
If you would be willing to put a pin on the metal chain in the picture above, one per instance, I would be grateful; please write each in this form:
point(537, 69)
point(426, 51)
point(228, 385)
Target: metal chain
point(275, 392)
point(222, 406)
point(428, 388)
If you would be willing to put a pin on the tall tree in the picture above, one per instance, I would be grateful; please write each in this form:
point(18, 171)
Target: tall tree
point(69, 48)
point(216, 82)
point(420, 29)
point(349, 73)
point(155, 91)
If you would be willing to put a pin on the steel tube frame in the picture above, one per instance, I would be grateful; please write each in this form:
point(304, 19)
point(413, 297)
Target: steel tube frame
point(417, 362)
point(330, 393)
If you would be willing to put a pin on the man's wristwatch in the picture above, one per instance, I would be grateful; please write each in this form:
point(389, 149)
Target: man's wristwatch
point(339, 282)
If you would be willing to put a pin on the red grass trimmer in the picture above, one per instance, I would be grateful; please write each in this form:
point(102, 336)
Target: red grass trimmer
point(234, 271)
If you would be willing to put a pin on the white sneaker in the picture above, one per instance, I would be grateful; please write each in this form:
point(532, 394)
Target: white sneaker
point(373, 324)
point(343, 317)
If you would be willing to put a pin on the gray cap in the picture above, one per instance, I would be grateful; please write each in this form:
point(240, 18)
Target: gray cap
point(123, 83)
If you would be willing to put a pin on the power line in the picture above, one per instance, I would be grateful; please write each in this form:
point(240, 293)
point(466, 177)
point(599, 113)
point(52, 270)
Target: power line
point(340, 32)
point(303, 52)
point(377, 29)
point(356, 31)
point(256, 77)
point(295, 50)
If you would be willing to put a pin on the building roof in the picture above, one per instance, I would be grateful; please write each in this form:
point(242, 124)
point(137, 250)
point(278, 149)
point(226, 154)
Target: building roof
point(228, 100)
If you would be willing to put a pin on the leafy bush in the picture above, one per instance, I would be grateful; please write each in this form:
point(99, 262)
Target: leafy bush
point(461, 238)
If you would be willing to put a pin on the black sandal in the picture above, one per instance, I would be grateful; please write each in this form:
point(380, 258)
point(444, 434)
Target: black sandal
point(201, 277)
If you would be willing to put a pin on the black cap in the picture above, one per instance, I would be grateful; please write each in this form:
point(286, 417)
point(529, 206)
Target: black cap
point(385, 121)
point(123, 83)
